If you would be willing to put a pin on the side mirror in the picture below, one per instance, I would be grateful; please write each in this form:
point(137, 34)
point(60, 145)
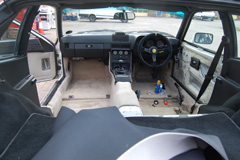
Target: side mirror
point(130, 15)
point(203, 38)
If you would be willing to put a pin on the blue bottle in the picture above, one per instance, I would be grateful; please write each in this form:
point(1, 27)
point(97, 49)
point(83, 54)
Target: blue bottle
point(158, 87)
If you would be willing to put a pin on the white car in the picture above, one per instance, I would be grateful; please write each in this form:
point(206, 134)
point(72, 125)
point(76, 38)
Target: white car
point(205, 15)
point(106, 13)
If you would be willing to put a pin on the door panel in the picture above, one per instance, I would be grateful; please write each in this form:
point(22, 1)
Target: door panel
point(191, 74)
point(14, 70)
point(225, 86)
point(41, 56)
point(42, 65)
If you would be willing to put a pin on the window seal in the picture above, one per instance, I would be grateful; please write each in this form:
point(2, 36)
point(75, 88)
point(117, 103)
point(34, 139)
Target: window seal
point(237, 50)
point(197, 46)
point(26, 27)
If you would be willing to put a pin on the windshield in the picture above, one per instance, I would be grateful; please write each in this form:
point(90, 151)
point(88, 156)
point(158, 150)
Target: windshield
point(122, 19)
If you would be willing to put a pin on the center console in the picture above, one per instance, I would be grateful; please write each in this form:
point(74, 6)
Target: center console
point(120, 64)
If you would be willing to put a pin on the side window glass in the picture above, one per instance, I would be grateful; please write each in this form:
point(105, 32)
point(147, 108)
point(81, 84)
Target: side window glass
point(236, 19)
point(205, 30)
point(8, 39)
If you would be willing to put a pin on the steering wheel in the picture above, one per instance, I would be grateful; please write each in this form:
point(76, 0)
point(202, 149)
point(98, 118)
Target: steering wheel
point(163, 52)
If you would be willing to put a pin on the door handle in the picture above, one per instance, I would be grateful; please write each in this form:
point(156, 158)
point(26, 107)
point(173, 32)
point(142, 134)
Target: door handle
point(195, 63)
point(46, 64)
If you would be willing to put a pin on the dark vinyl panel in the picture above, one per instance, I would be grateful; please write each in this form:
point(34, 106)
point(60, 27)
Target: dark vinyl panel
point(223, 90)
point(233, 70)
point(14, 70)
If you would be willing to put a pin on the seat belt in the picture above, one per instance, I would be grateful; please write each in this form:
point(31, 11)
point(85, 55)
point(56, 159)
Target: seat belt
point(211, 70)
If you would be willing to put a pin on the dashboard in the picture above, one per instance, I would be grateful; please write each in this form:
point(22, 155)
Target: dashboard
point(121, 48)
point(96, 44)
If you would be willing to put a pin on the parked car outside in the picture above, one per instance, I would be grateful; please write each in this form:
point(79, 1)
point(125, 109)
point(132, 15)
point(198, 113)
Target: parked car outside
point(205, 15)
point(106, 13)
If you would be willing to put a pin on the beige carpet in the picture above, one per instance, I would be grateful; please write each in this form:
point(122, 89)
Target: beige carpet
point(89, 69)
point(148, 90)
point(87, 89)
point(78, 105)
point(90, 81)
point(161, 108)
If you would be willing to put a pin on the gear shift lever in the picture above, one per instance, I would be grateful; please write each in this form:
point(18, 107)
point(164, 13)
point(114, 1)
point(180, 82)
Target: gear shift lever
point(122, 68)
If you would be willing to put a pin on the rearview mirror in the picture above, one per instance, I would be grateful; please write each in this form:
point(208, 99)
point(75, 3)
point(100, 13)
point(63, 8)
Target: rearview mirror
point(203, 38)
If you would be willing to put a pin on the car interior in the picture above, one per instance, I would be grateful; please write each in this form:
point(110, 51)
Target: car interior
point(135, 93)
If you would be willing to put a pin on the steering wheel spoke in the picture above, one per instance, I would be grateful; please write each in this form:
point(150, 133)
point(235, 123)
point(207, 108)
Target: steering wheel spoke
point(163, 50)
point(154, 59)
point(143, 49)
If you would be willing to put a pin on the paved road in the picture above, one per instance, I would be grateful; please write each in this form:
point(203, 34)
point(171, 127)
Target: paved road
point(169, 25)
